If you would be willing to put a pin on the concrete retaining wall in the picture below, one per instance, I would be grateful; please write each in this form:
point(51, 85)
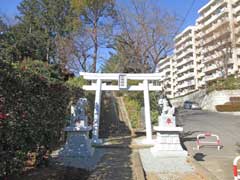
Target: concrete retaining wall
point(197, 96)
point(207, 101)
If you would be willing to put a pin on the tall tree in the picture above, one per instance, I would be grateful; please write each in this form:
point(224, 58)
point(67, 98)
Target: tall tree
point(40, 22)
point(3, 26)
point(146, 37)
point(8, 48)
point(97, 18)
point(112, 65)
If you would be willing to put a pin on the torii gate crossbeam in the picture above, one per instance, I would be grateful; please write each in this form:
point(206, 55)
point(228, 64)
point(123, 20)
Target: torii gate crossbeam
point(99, 86)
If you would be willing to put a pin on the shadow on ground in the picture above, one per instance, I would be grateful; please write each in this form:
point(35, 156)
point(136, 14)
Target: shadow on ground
point(199, 157)
point(53, 172)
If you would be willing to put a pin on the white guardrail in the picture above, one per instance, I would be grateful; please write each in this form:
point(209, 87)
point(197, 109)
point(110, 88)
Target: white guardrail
point(212, 143)
point(235, 168)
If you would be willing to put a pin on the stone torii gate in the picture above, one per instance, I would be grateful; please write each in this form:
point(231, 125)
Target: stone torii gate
point(98, 85)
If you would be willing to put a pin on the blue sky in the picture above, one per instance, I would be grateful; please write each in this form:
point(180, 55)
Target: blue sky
point(180, 7)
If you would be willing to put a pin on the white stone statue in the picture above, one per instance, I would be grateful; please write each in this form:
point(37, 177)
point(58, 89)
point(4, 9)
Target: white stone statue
point(79, 118)
point(78, 144)
point(167, 142)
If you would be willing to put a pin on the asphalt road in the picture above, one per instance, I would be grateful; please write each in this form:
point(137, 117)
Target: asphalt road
point(218, 163)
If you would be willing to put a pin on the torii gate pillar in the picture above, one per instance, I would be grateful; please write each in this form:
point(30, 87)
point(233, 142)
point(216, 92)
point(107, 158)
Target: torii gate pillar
point(97, 110)
point(147, 111)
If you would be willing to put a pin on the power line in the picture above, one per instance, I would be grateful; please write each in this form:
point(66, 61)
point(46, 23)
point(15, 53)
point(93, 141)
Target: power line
point(185, 17)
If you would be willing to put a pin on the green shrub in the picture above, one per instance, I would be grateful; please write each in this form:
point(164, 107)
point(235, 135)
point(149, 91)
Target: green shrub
point(154, 116)
point(134, 101)
point(228, 108)
point(34, 104)
point(230, 83)
point(134, 111)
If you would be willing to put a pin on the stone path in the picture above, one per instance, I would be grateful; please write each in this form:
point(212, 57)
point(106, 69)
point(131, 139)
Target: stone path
point(118, 162)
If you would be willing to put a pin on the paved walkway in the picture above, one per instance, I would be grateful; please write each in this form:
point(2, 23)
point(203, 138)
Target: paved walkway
point(118, 162)
point(219, 163)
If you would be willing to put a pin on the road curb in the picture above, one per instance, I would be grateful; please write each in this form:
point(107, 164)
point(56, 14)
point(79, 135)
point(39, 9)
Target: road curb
point(122, 146)
point(138, 167)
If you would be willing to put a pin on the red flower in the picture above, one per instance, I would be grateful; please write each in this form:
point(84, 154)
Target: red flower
point(3, 116)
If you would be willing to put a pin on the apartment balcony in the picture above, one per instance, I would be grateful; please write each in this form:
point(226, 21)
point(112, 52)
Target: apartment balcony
point(185, 68)
point(214, 18)
point(210, 68)
point(212, 77)
point(185, 76)
point(217, 37)
point(185, 61)
point(184, 39)
point(210, 11)
point(214, 57)
point(219, 23)
point(164, 61)
point(236, 1)
point(186, 84)
point(164, 69)
point(236, 9)
point(183, 46)
point(216, 47)
point(184, 53)
point(165, 79)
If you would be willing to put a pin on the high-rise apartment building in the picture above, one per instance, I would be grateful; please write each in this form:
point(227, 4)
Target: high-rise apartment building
point(206, 51)
point(165, 68)
point(236, 24)
point(216, 41)
point(185, 62)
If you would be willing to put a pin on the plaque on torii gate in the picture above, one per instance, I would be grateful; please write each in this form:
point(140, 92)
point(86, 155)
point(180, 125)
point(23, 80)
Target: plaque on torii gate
point(98, 85)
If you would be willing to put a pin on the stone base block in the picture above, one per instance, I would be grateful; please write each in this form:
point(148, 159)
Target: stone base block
point(168, 144)
point(97, 142)
point(168, 153)
point(88, 162)
point(78, 144)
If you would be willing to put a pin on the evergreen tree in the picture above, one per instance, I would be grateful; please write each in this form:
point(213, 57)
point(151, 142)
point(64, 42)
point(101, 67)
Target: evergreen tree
point(40, 22)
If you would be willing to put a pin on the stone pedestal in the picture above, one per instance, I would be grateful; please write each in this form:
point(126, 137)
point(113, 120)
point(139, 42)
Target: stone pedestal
point(78, 143)
point(78, 151)
point(167, 142)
